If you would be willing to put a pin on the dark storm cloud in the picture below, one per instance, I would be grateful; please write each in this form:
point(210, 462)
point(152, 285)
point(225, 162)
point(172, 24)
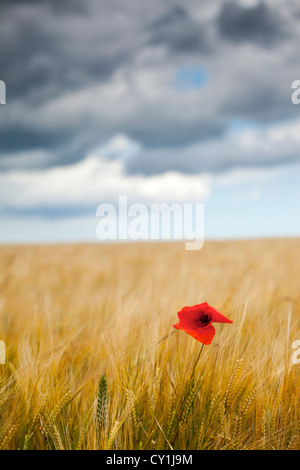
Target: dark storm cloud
point(50, 213)
point(208, 160)
point(78, 73)
point(179, 32)
point(44, 55)
point(61, 148)
point(176, 132)
point(61, 7)
point(29, 139)
point(259, 23)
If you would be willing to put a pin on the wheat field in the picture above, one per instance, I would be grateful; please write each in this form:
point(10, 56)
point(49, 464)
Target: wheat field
point(91, 363)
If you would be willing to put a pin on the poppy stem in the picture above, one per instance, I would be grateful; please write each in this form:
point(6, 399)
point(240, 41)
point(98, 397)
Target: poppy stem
point(197, 360)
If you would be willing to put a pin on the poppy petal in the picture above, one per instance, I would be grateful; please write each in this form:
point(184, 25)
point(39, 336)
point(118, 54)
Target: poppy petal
point(216, 316)
point(204, 335)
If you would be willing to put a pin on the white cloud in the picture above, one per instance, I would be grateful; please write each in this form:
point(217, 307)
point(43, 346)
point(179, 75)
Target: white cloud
point(94, 180)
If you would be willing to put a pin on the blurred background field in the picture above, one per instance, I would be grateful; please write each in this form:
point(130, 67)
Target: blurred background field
point(74, 316)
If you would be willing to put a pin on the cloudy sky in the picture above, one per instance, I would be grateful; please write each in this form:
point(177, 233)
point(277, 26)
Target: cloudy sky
point(163, 101)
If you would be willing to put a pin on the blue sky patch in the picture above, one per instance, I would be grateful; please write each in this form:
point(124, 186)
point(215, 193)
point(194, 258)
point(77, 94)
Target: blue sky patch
point(190, 77)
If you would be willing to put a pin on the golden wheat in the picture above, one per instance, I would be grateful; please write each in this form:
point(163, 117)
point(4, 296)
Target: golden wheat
point(91, 363)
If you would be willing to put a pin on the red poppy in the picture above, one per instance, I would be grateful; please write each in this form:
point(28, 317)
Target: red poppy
point(197, 321)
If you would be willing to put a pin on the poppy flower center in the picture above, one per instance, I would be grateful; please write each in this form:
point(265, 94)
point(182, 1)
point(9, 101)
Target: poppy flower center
point(203, 320)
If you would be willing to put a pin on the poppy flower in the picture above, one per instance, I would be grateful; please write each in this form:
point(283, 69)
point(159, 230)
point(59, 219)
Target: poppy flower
point(197, 321)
